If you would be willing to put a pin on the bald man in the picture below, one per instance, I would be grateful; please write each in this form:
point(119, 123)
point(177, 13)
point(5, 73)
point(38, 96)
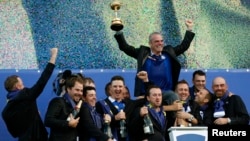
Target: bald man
point(229, 109)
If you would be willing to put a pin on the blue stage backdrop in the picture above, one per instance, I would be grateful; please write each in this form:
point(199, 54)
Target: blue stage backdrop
point(238, 81)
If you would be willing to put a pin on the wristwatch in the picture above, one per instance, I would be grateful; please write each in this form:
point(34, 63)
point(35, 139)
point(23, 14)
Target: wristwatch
point(191, 118)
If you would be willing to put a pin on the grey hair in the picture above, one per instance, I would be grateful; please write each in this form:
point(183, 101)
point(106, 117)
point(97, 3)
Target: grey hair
point(153, 33)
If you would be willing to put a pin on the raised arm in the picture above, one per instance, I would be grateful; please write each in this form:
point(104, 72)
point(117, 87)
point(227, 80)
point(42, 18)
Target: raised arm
point(53, 56)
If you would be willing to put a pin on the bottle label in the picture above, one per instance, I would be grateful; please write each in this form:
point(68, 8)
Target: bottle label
point(146, 129)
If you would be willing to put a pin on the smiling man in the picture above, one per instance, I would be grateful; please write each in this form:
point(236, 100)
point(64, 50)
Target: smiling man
point(154, 110)
point(58, 118)
point(91, 123)
point(229, 108)
point(189, 115)
point(119, 108)
point(199, 82)
point(159, 60)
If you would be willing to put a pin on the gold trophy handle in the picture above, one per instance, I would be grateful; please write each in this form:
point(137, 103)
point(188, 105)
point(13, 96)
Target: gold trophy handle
point(116, 5)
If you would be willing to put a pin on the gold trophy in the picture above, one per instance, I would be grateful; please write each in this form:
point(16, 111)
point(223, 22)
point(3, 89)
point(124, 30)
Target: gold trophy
point(116, 24)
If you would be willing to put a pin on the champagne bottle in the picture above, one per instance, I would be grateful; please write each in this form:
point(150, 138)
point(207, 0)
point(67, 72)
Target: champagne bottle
point(148, 125)
point(123, 131)
point(107, 129)
point(76, 110)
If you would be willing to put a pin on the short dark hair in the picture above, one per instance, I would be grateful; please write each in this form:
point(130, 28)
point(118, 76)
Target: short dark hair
point(10, 82)
point(86, 89)
point(107, 87)
point(198, 72)
point(88, 80)
point(70, 82)
point(60, 80)
point(151, 87)
point(183, 81)
point(117, 77)
point(126, 87)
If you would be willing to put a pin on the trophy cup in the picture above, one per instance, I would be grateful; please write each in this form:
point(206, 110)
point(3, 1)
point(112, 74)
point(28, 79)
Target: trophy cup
point(116, 24)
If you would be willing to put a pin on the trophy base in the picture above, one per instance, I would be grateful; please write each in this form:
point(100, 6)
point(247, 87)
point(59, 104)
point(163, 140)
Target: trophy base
point(116, 24)
point(116, 27)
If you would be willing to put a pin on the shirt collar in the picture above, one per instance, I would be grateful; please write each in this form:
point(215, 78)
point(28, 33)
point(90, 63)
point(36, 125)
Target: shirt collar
point(111, 99)
point(151, 53)
point(162, 56)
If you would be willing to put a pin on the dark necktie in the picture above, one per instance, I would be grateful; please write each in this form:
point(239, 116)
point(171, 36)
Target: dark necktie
point(157, 58)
